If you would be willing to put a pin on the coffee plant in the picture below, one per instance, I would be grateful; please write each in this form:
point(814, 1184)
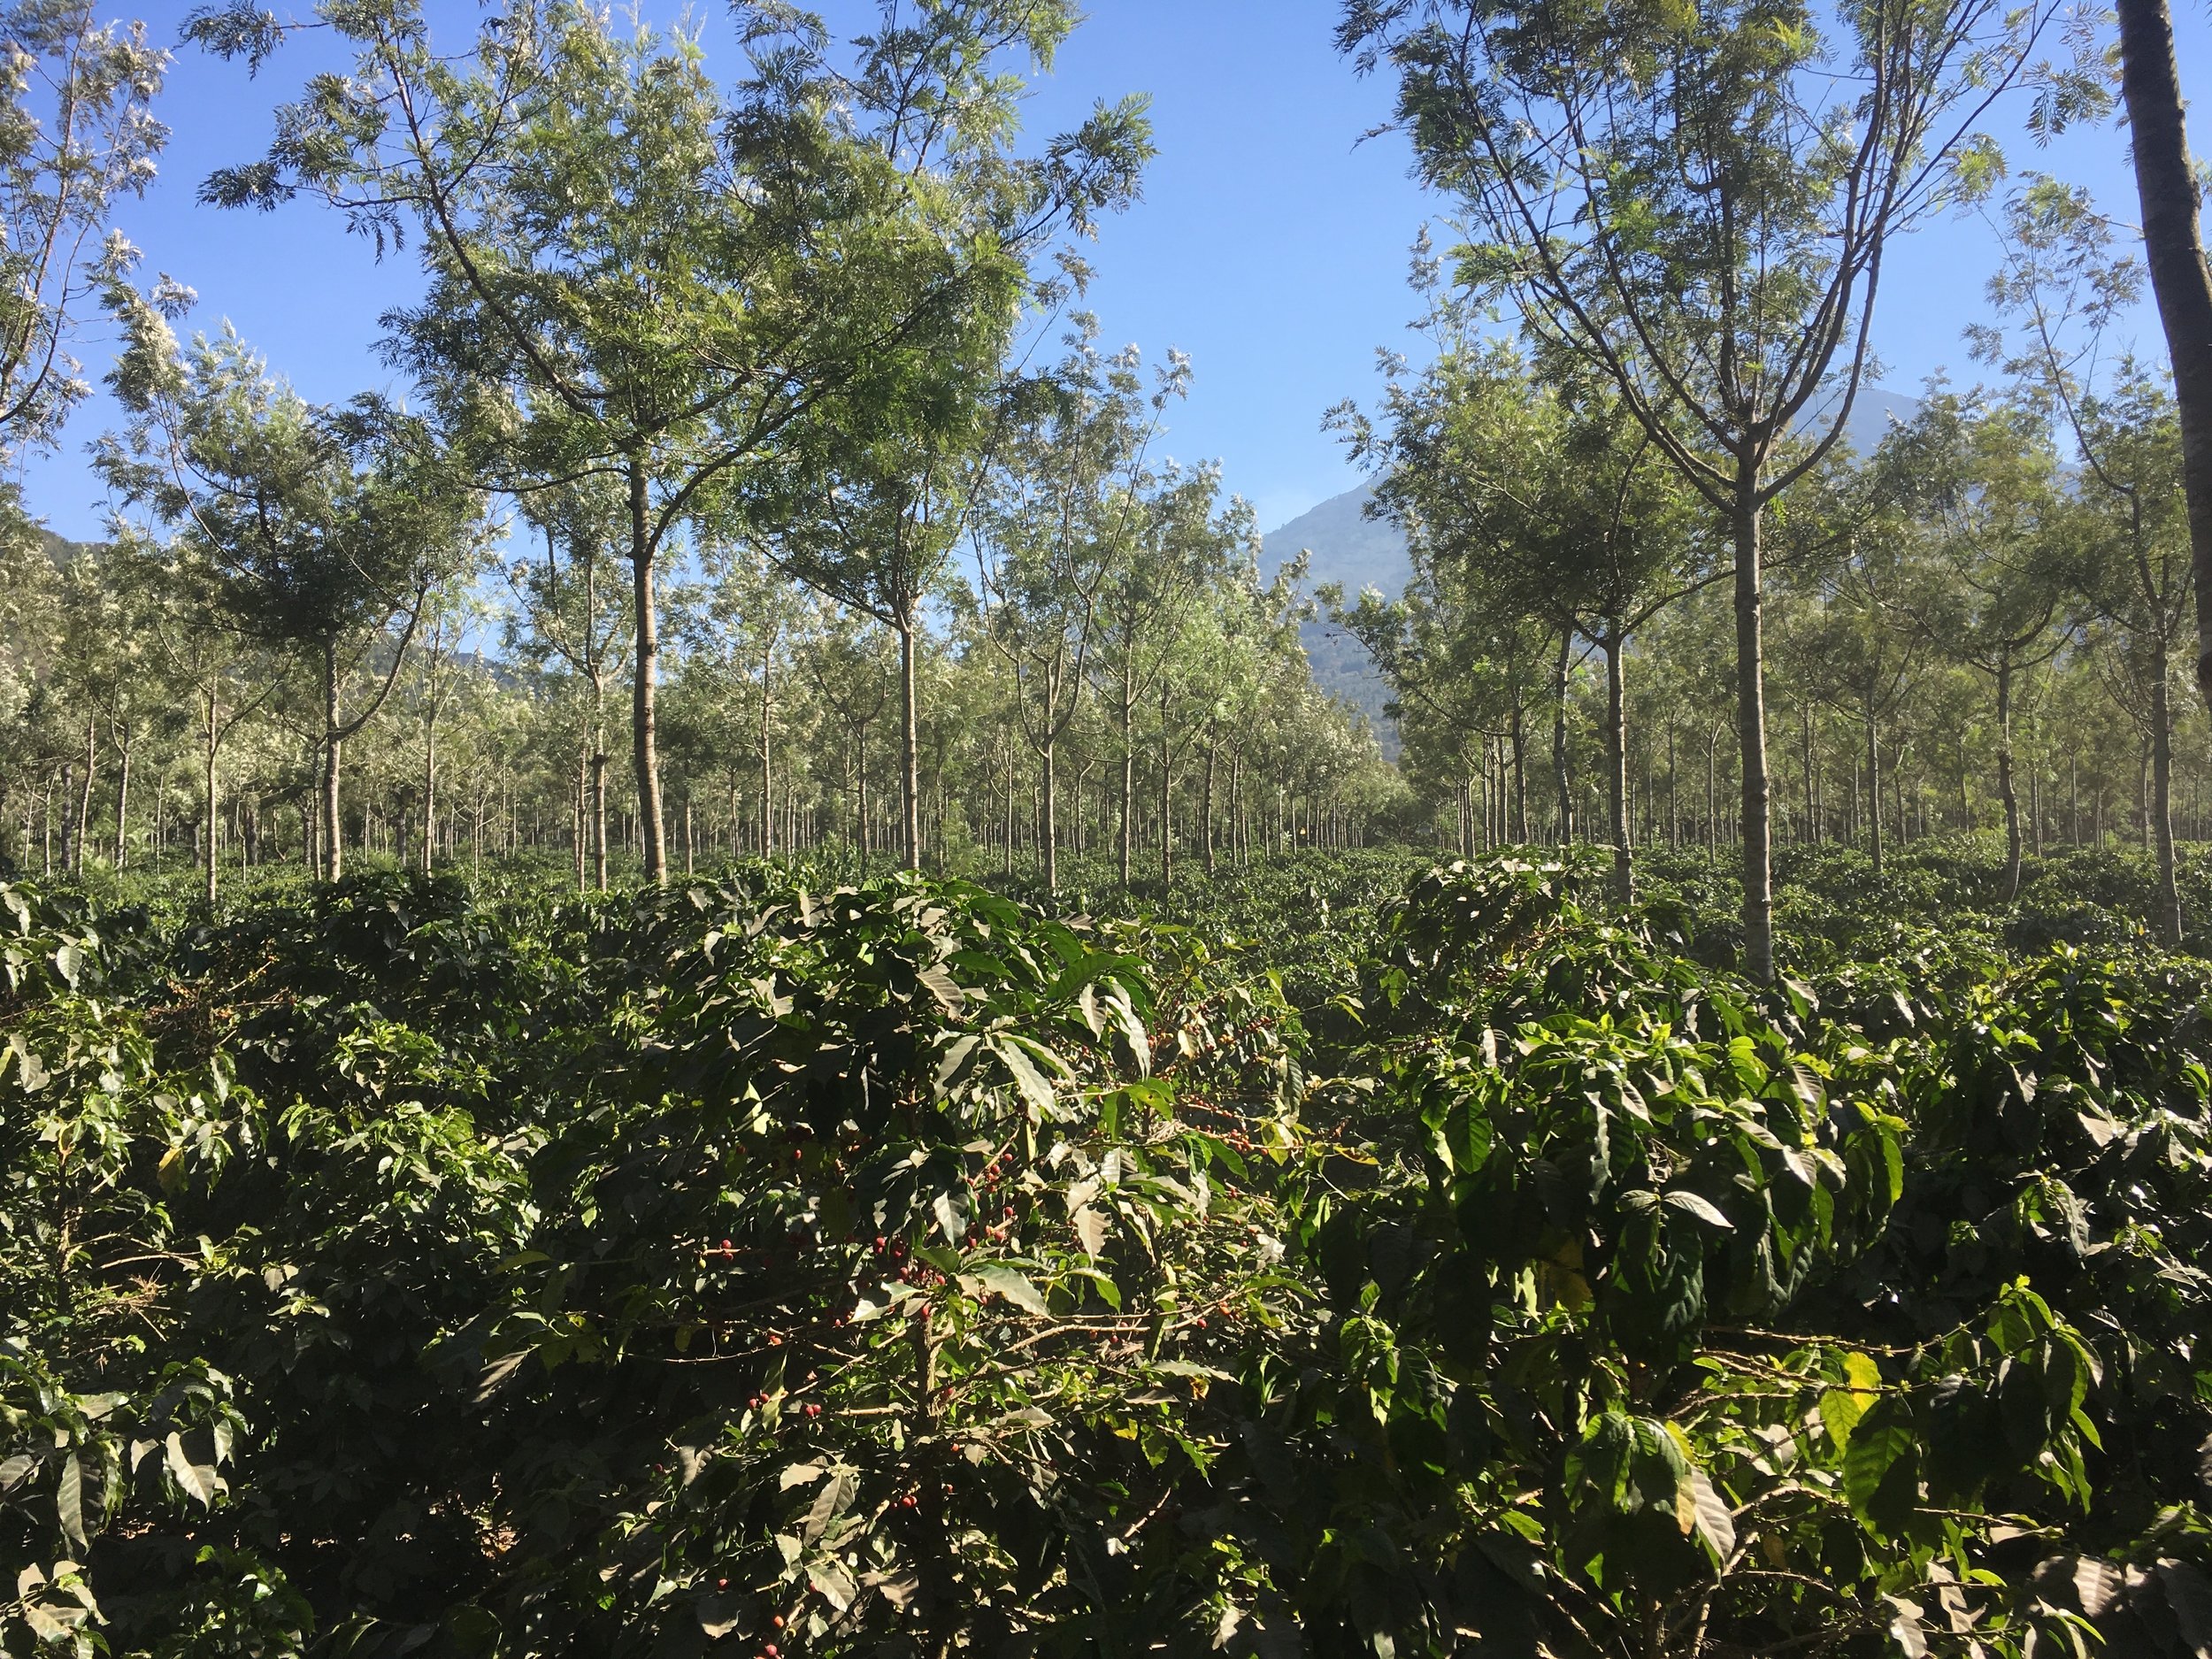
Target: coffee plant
point(1374, 1259)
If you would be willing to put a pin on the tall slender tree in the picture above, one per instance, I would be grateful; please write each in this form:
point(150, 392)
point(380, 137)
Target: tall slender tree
point(2066, 280)
point(202, 651)
point(1523, 498)
point(572, 613)
point(327, 527)
point(1979, 564)
point(77, 136)
point(1062, 505)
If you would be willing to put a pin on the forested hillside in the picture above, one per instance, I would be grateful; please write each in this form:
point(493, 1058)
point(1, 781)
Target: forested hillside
point(1351, 550)
point(720, 971)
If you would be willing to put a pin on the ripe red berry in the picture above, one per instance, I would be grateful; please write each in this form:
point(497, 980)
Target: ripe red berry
point(814, 1411)
point(778, 1621)
point(721, 1584)
point(770, 1650)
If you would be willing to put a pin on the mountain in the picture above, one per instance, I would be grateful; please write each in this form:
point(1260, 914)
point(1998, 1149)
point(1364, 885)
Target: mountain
point(1873, 411)
point(1356, 551)
point(1347, 547)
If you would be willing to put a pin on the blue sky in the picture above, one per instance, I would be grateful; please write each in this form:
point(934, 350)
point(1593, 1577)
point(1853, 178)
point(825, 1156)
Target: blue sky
point(1270, 243)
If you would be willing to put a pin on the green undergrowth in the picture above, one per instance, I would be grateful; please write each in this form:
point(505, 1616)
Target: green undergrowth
point(1343, 1257)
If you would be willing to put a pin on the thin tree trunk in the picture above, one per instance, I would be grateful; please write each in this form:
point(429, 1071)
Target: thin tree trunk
point(82, 841)
point(123, 802)
point(1874, 786)
point(1167, 794)
point(1758, 870)
point(1559, 737)
point(2005, 793)
point(596, 761)
point(645, 742)
point(210, 748)
point(1128, 774)
point(1239, 827)
point(910, 746)
point(1712, 796)
point(1206, 812)
point(583, 799)
point(1052, 818)
point(334, 843)
point(1520, 772)
point(599, 812)
point(1674, 801)
point(2143, 798)
point(2161, 803)
point(1811, 835)
point(767, 769)
point(1616, 761)
point(429, 782)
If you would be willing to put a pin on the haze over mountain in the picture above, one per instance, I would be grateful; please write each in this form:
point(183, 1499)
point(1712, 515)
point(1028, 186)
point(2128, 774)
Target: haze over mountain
point(1358, 552)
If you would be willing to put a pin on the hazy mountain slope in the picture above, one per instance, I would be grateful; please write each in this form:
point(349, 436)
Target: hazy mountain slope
point(1356, 551)
point(1347, 547)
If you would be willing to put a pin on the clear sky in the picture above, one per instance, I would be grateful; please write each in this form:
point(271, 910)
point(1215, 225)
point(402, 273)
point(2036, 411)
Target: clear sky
point(1270, 243)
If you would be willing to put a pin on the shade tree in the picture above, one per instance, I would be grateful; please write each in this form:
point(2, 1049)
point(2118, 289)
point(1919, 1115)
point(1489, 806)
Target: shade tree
point(2059, 296)
point(1980, 559)
point(569, 610)
point(637, 273)
point(1535, 496)
point(1693, 203)
point(1063, 502)
point(77, 138)
point(325, 530)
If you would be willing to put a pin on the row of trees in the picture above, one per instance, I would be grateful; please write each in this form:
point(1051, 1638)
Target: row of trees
point(777, 726)
point(2009, 566)
point(1682, 213)
point(724, 406)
